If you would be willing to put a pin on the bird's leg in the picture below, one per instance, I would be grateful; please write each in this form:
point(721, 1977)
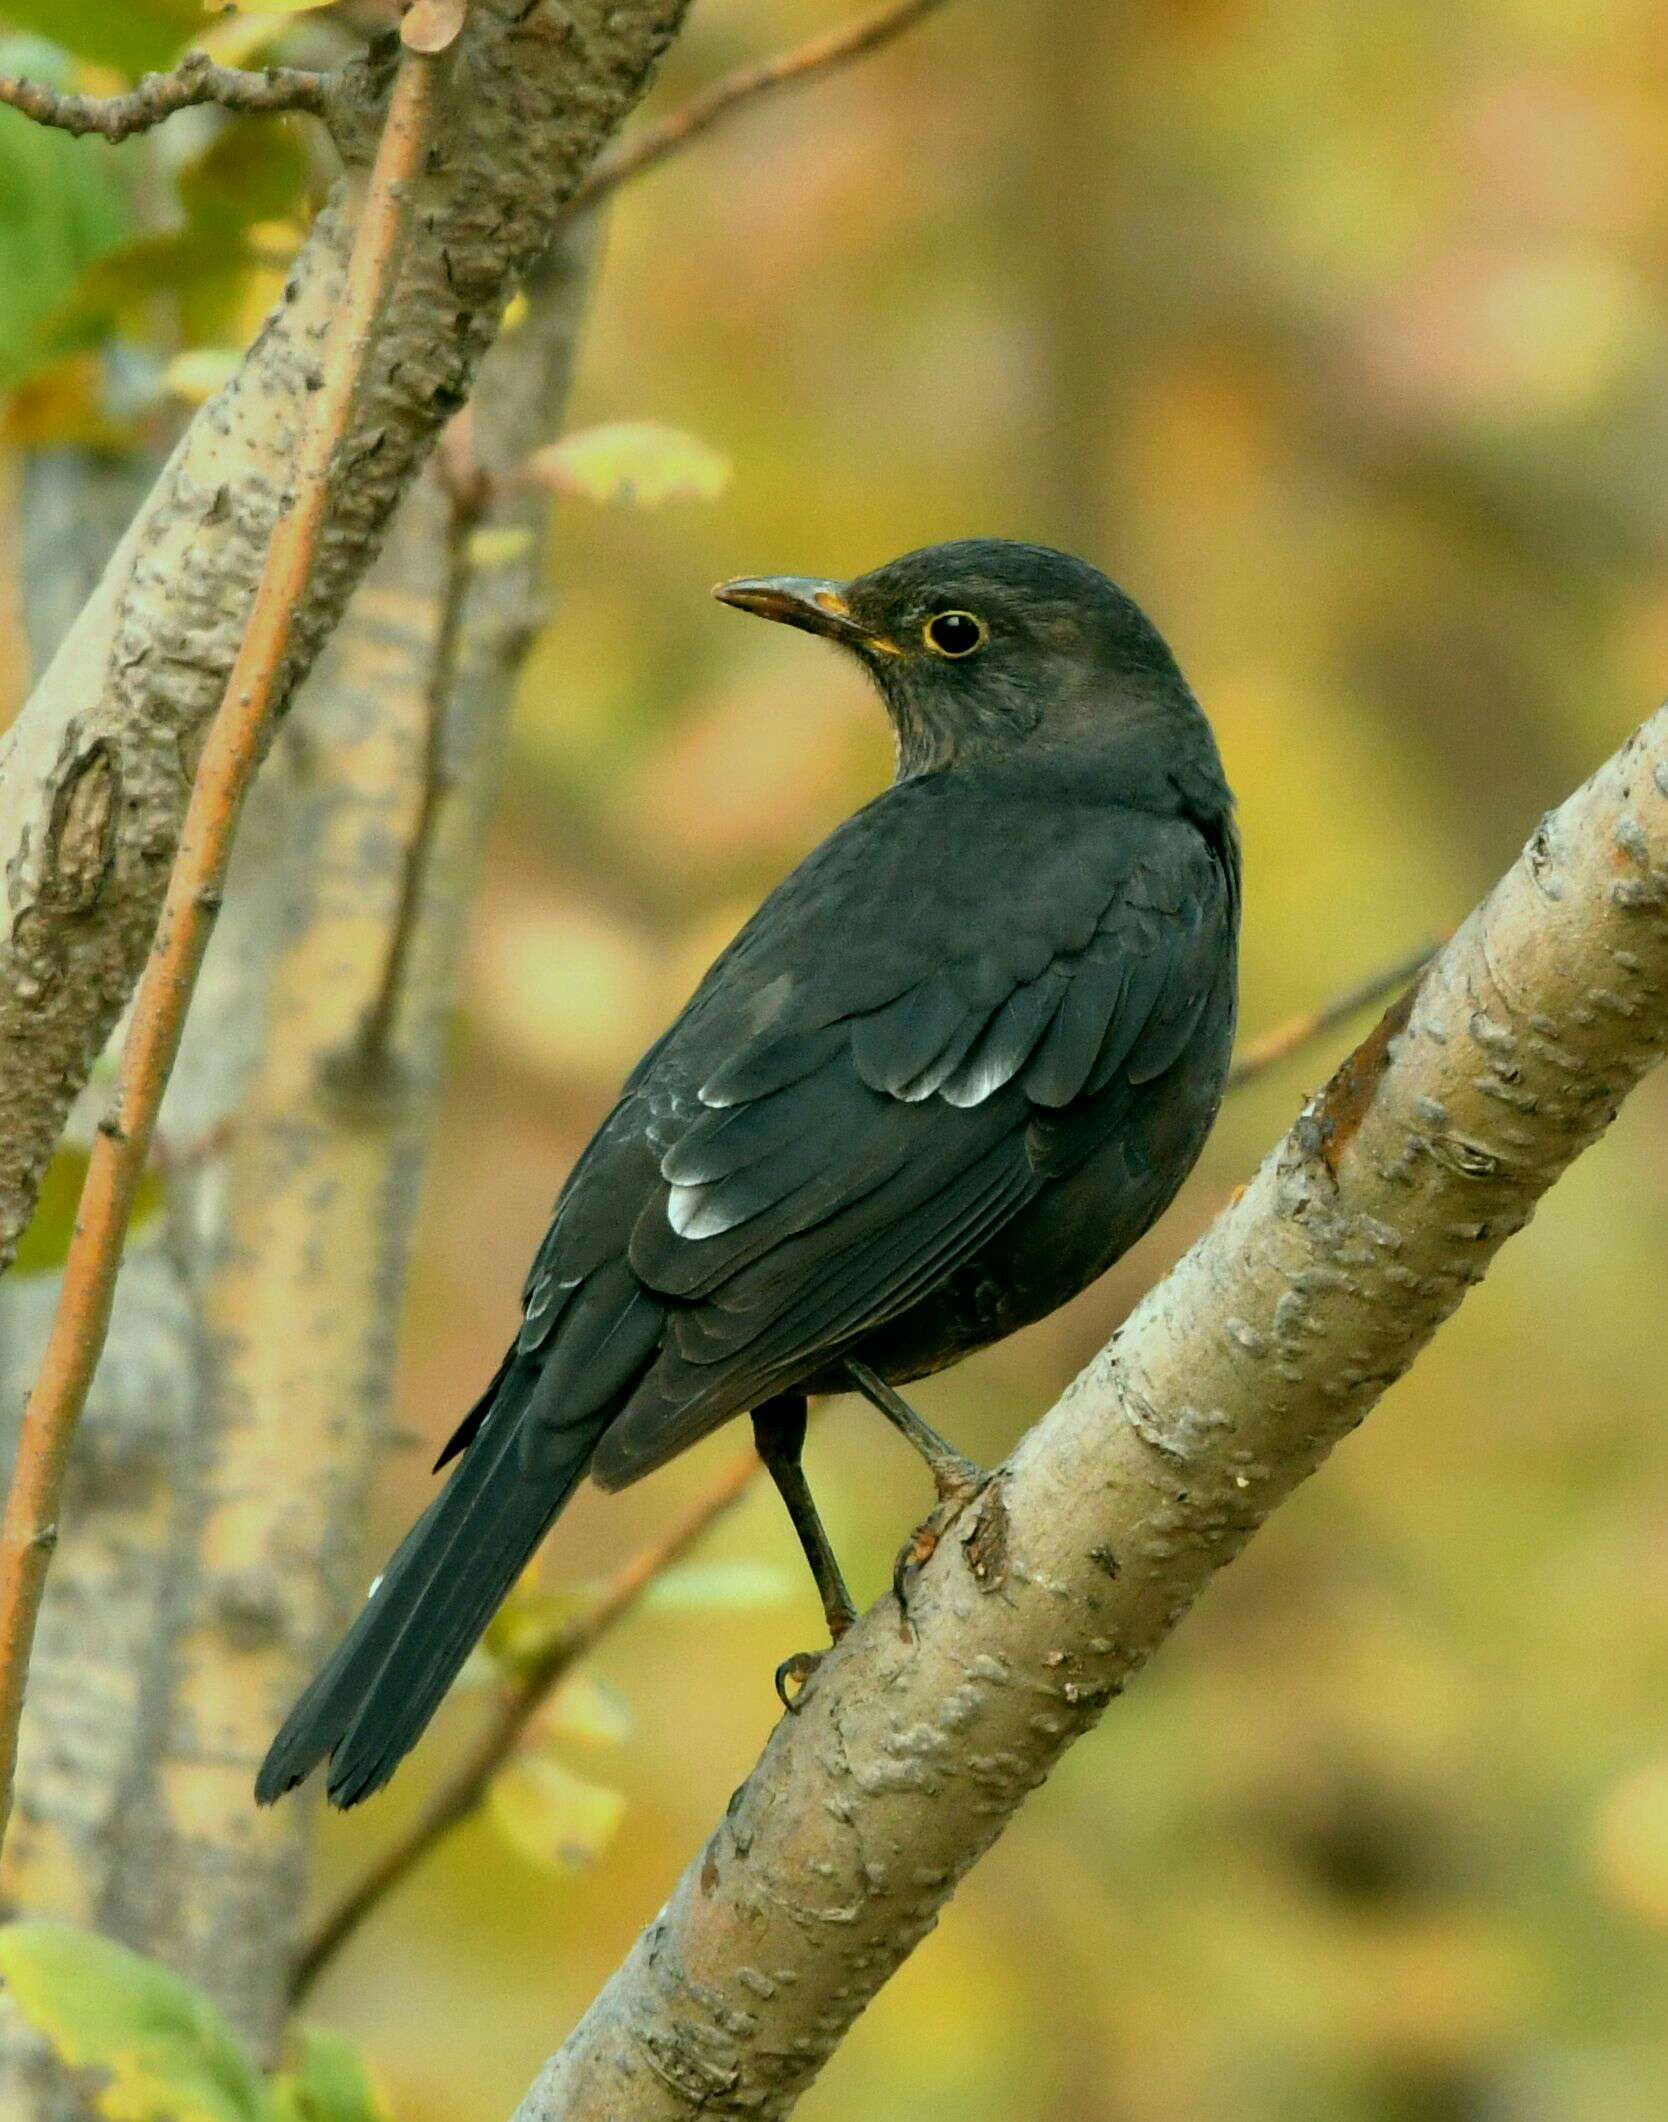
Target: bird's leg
point(954, 1475)
point(779, 1434)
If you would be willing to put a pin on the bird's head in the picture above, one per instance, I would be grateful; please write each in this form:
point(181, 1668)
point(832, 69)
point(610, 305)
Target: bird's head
point(986, 645)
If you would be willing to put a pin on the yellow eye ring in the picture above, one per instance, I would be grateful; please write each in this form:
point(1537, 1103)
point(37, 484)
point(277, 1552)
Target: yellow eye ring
point(955, 635)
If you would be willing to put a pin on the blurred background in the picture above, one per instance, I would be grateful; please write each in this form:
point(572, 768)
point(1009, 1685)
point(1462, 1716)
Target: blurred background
point(1338, 334)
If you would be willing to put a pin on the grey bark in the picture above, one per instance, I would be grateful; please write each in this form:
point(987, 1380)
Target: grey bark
point(211, 1537)
point(94, 773)
point(1226, 1388)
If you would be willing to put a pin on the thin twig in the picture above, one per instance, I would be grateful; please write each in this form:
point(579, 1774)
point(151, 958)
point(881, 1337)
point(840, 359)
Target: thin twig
point(1280, 1044)
point(195, 80)
point(806, 62)
point(230, 754)
point(465, 1789)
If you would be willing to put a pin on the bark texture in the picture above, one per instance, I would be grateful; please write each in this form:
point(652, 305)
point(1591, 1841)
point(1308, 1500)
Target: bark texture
point(212, 1540)
point(1227, 1386)
point(95, 772)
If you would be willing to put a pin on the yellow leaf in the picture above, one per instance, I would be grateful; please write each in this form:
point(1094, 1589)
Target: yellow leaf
point(588, 1712)
point(198, 373)
point(529, 1625)
point(499, 548)
point(729, 1587)
point(555, 1819)
point(636, 462)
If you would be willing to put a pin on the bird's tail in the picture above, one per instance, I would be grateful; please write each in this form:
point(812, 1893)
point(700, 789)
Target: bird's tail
point(369, 1704)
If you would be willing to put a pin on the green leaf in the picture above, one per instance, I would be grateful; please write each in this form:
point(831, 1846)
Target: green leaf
point(167, 2053)
point(330, 2086)
point(703, 1587)
point(64, 210)
point(44, 1246)
point(129, 34)
point(554, 1818)
point(637, 462)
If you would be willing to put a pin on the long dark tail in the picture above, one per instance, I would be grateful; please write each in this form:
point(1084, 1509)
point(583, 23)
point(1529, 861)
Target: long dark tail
point(369, 1704)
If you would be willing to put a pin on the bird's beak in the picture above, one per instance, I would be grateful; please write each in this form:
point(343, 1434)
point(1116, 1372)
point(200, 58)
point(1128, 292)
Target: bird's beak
point(803, 601)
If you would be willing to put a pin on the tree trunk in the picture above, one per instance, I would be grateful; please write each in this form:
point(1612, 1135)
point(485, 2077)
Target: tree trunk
point(211, 1543)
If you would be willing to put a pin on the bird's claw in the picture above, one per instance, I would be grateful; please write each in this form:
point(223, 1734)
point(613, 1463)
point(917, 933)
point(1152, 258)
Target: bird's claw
point(795, 1673)
point(958, 1482)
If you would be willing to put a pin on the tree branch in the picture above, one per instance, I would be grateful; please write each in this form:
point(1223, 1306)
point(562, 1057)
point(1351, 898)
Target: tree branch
point(236, 738)
point(1259, 1055)
point(531, 93)
point(1226, 1387)
point(807, 62)
point(465, 1789)
point(195, 80)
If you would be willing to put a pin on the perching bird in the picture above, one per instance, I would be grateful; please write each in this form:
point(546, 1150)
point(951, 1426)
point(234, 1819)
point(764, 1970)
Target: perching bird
point(952, 1068)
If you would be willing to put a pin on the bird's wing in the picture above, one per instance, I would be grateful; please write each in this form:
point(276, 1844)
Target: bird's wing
point(885, 1075)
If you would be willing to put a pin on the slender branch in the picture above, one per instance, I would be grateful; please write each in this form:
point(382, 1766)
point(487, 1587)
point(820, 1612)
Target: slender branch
point(794, 69)
point(195, 80)
point(1258, 1056)
point(230, 755)
point(465, 1790)
point(1313, 1292)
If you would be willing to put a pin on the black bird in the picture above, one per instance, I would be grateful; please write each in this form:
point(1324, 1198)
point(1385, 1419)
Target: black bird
point(952, 1068)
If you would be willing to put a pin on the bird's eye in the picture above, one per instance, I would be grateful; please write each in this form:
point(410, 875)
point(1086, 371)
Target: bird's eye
point(955, 634)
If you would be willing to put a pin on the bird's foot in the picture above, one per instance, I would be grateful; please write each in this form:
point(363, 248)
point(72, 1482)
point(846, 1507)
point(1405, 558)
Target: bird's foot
point(958, 1482)
point(794, 1675)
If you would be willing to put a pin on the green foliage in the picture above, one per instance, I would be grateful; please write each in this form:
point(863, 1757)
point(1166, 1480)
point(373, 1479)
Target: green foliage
point(638, 463)
point(45, 1243)
point(132, 34)
point(252, 174)
point(64, 209)
point(329, 2085)
point(166, 2052)
point(159, 2048)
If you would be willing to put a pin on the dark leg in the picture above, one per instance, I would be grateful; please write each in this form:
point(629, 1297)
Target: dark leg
point(955, 1477)
point(779, 1433)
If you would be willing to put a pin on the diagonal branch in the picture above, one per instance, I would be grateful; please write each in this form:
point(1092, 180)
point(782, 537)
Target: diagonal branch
point(116, 1163)
point(1226, 1387)
point(195, 80)
point(807, 62)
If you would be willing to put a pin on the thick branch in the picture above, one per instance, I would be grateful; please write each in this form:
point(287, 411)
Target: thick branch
point(195, 80)
point(532, 92)
point(1226, 1387)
